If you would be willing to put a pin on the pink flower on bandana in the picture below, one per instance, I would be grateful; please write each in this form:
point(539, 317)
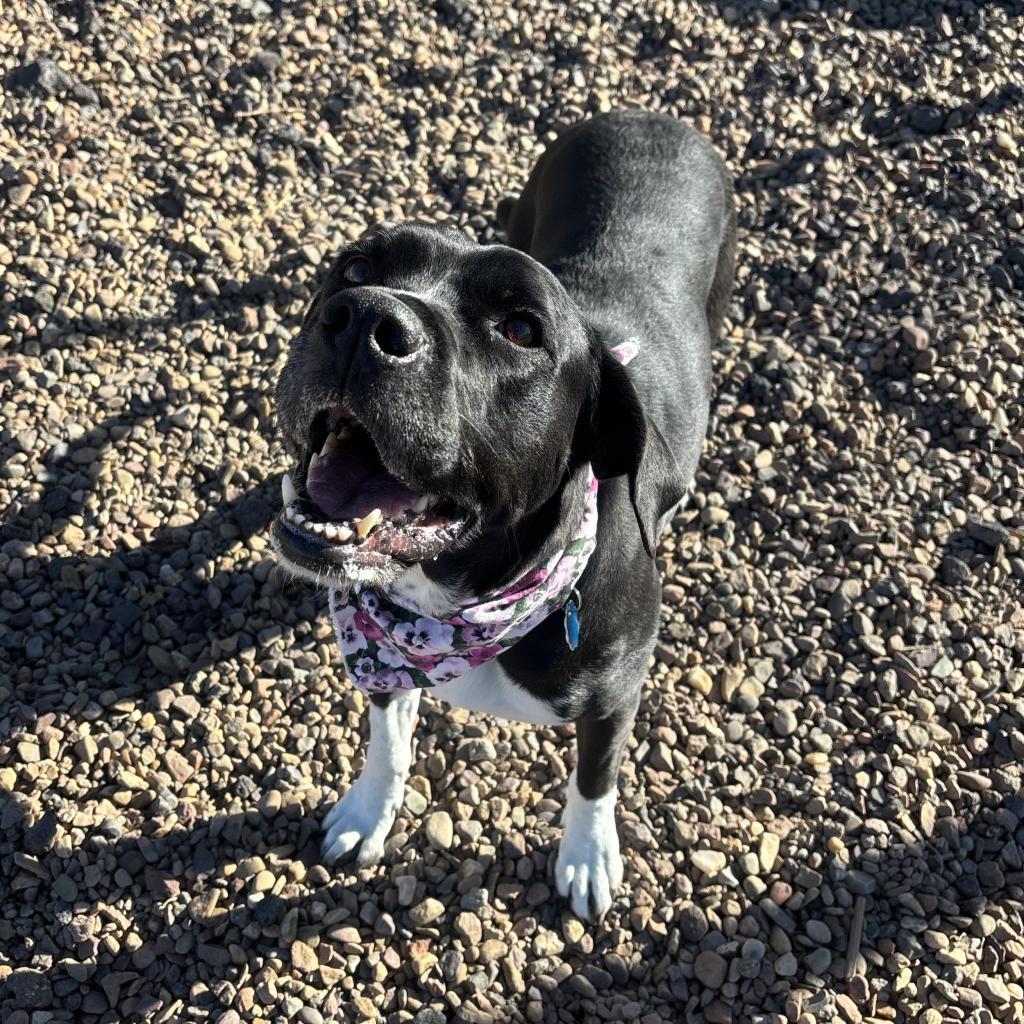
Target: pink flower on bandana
point(527, 585)
point(480, 655)
point(368, 627)
point(425, 636)
point(449, 669)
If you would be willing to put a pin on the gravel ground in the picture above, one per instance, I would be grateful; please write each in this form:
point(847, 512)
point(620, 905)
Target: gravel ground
point(822, 809)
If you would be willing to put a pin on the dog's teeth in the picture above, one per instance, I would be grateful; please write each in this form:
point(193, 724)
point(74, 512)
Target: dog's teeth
point(421, 503)
point(288, 492)
point(367, 523)
point(317, 527)
point(344, 432)
point(313, 459)
point(298, 517)
point(337, 532)
point(330, 443)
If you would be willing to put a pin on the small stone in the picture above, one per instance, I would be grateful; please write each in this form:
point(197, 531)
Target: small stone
point(263, 881)
point(304, 957)
point(27, 989)
point(469, 928)
point(406, 889)
point(784, 722)
point(39, 837)
point(710, 969)
point(439, 830)
point(710, 862)
point(786, 965)
point(993, 990)
point(693, 923)
point(768, 850)
point(697, 679)
point(848, 1009)
point(427, 911)
point(65, 888)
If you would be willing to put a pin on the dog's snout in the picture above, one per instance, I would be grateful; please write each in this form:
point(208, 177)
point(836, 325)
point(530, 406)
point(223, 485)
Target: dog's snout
point(372, 318)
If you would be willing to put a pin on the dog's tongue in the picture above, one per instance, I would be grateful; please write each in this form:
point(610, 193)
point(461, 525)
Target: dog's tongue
point(347, 484)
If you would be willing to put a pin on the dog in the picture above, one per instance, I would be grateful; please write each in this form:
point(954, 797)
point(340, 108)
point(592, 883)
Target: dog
point(481, 479)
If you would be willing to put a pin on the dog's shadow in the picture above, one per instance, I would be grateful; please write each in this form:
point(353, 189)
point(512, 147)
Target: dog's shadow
point(188, 896)
point(193, 895)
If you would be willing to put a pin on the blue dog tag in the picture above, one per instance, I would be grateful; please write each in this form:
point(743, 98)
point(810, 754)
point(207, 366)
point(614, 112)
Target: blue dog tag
point(572, 620)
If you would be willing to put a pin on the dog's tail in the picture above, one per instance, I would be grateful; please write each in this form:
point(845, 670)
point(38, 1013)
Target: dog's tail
point(504, 211)
point(721, 286)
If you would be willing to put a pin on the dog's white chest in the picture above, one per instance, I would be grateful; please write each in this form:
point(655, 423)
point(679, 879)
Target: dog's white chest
point(489, 689)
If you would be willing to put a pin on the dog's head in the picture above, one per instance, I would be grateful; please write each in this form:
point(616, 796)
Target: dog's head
point(439, 389)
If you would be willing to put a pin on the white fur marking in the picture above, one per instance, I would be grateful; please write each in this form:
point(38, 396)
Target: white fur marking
point(489, 689)
point(414, 589)
point(589, 866)
point(365, 814)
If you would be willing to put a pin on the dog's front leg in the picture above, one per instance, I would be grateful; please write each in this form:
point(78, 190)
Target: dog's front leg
point(364, 815)
point(589, 866)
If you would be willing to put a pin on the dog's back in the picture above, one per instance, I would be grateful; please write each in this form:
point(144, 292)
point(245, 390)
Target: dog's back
point(634, 212)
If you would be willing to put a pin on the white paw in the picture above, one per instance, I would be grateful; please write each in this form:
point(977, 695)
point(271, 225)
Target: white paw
point(362, 818)
point(589, 866)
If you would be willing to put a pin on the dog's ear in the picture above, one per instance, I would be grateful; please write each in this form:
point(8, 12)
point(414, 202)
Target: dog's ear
point(625, 442)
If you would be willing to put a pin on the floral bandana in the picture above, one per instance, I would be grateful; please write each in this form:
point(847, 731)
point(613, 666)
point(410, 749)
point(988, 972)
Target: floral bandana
point(390, 646)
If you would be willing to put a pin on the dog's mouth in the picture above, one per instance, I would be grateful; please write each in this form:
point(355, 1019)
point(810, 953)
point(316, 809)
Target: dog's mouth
point(348, 519)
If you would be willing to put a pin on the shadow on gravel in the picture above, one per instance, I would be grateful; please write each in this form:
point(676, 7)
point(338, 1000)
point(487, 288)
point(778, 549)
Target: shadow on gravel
point(194, 894)
point(188, 912)
point(872, 14)
point(112, 625)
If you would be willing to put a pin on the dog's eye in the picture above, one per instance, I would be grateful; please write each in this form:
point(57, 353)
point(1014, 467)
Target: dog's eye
point(357, 270)
point(518, 331)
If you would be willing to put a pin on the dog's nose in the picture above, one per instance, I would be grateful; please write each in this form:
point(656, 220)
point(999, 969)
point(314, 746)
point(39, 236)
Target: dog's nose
point(374, 318)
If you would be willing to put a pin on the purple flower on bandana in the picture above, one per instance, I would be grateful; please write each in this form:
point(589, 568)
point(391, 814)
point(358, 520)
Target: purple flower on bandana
point(369, 601)
point(396, 680)
point(363, 667)
point(350, 637)
point(387, 654)
point(447, 670)
point(425, 636)
point(479, 633)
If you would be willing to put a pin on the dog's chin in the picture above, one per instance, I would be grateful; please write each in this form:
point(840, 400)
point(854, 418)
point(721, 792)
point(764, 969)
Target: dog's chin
point(347, 519)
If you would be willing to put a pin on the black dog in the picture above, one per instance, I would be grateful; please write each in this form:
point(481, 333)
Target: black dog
point(447, 404)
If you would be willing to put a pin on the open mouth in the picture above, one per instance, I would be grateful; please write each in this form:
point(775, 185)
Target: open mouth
point(347, 517)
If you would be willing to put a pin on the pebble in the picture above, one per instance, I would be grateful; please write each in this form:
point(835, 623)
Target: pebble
point(710, 969)
point(693, 923)
point(439, 830)
point(709, 862)
point(427, 911)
